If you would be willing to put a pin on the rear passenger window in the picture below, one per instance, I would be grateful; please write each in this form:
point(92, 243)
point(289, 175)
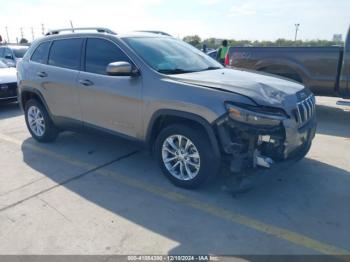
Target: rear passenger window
point(41, 53)
point(66, 53)
point(2, 51)
point(100, 53)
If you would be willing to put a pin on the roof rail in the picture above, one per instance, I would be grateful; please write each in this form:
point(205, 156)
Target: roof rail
point(72, 30)
point(153, 32)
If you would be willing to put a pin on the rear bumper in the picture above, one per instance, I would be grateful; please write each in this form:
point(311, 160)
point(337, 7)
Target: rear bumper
point(250, 147)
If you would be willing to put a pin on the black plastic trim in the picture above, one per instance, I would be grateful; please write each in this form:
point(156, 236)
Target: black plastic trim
point(188, 116)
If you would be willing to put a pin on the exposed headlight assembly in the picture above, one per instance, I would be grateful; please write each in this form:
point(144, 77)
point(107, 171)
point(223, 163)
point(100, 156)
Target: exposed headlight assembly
point(252, 115)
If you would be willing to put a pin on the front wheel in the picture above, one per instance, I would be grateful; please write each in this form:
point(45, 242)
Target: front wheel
point(185, 156)
point(39, 122)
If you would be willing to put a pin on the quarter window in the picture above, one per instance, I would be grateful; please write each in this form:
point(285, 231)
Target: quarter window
point(100, 53)
point(66, 53)
point(41, 53)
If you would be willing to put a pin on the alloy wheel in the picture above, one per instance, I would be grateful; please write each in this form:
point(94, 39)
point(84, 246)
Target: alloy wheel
point(36, 121)
point(181, 157)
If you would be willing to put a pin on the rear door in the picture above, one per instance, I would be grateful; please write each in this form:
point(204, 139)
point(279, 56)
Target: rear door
point(109, 102)
point(346, 63)
point(59, 78)
point(344, 78)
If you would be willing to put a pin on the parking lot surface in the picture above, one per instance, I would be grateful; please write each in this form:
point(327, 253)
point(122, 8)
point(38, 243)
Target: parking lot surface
point(88, 194)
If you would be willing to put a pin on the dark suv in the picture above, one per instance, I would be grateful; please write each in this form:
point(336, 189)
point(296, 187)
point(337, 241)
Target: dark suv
point(167, 95)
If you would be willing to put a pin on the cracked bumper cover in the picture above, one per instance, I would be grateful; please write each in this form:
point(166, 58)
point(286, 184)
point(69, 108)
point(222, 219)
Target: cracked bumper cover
point(246, 145)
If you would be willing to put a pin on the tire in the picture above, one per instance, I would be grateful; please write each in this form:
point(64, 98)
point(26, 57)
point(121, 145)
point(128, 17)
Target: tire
point(48, 131)
point(201, 169)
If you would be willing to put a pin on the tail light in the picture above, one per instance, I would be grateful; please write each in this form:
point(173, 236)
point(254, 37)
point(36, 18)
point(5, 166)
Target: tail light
point(227, 59)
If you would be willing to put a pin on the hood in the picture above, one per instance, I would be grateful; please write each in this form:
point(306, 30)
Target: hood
point(8, 75)
point(263, 89)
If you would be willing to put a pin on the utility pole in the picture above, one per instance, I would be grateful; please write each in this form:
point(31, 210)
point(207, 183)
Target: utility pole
point(71, 25)
point(22, 35)
point(33, 34)
point(7, 34)
point(42, 29)
point(296, 31)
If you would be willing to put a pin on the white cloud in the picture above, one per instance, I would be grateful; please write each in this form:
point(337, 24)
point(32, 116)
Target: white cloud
point(119, 15)
point(240, 19)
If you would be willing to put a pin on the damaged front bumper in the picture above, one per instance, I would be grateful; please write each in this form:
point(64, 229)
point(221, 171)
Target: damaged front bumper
point(248, 147)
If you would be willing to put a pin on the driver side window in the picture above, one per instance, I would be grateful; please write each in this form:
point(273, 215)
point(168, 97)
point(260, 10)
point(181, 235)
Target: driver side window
point(100, 53)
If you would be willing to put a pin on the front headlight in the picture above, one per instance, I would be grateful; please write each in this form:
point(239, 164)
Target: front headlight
point(255, 115)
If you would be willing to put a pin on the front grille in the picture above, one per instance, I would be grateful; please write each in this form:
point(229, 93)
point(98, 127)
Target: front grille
point(8, 90)
point(305, 110)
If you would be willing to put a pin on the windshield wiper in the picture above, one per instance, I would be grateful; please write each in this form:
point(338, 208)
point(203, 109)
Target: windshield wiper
point(212, 68)
point(175, 71)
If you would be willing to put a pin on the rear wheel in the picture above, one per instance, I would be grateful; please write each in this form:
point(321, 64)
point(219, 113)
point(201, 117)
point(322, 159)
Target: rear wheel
point(39, 122)
point(185, 156)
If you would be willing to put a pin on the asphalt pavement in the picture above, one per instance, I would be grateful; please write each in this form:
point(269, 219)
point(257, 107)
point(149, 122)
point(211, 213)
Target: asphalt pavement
point(89, 194)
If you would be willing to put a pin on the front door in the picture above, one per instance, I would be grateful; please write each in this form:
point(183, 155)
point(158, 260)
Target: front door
point(109, 102)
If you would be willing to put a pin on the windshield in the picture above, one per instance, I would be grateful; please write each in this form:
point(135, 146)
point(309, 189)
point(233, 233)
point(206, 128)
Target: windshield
point(171, 56)
point(3, 65)
point(19, 52)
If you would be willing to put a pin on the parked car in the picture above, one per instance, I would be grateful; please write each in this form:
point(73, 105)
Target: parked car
point(167, 95)
point(213, 54)
point(11, 54)
point(325, 70)
point(8, 83)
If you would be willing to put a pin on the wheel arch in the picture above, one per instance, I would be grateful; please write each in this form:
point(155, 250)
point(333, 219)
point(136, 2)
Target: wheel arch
point(289, 67)
point(166, 117)
point(30, 93)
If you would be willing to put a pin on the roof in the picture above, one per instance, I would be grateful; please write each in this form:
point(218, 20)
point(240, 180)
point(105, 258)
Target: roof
point(73, 30)
point(94, 31)
point(15, 46)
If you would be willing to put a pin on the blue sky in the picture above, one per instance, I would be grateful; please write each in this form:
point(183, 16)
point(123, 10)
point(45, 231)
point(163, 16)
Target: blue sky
point(239, 19)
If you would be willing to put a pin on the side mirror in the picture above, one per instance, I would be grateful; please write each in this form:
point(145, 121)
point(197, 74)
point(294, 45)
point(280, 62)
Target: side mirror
point(121, 69)
point(9, 57)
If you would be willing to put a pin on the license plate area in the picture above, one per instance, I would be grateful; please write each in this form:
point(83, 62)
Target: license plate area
point(7, 90)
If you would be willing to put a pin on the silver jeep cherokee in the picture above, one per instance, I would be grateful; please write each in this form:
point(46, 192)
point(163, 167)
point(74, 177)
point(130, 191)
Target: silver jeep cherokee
point(192, 112)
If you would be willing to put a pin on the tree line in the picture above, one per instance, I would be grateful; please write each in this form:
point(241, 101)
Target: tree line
point(196, 41)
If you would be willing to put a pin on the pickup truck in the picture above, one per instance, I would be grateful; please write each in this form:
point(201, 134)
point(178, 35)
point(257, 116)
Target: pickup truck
point(325, 70)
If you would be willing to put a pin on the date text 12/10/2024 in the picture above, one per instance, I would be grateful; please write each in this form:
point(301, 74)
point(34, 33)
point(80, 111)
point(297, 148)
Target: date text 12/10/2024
point(173, 258)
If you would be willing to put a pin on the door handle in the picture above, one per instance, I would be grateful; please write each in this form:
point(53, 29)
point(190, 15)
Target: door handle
point(42, 74)
point(86, 82)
